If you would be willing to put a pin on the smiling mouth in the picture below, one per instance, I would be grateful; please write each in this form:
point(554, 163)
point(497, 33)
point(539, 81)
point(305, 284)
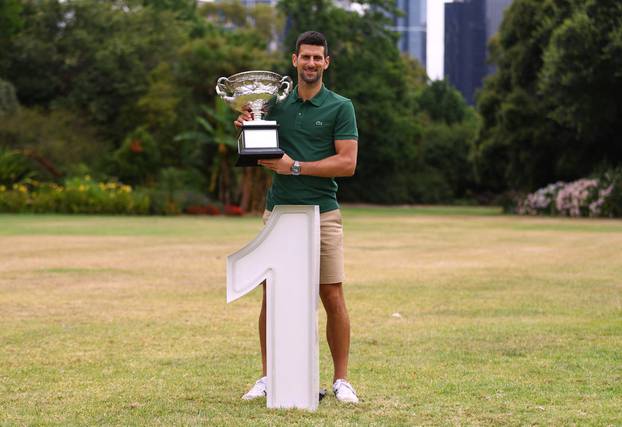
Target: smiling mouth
point(310, 75)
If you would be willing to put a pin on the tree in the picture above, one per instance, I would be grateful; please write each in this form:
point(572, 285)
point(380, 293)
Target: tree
point(214, 129)
point(92, 57)
point(552, 111)
point(442, 102)
point(581, 79)
point(10, 24)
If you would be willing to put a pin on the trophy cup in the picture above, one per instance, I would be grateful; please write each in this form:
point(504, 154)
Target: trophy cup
point(255, 90)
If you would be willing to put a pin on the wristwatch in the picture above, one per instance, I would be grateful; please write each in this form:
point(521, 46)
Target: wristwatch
point(295, 168)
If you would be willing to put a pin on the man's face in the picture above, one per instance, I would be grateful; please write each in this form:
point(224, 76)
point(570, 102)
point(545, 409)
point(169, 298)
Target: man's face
point(310, 63)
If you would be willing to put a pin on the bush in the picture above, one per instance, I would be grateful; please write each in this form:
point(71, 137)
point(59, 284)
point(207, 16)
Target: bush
point(14, 167)
point(78, 195)
point(612, 205)
point(596, 197)
point(137, 161)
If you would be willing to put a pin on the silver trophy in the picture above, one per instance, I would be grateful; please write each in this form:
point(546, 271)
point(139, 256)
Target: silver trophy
point(255, 91)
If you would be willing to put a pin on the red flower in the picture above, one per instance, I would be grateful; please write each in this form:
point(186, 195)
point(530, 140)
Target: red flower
point(136, 146)
point(233, 210)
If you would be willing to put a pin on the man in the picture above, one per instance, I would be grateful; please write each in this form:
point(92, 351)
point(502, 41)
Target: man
point(317, 131)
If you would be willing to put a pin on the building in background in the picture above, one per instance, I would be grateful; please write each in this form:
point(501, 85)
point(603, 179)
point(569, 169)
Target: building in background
point(469, 25)
point(412, 28)
point(465, 46)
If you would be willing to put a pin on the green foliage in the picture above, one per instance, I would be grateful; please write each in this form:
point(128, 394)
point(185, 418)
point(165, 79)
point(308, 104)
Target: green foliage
point(442, 102)
point(581, 78)
point(10, 20)
point(214, 129)
point(14, 167)
point(91, 56)
point(551, 112)
point(10, 24)
point(8, 99)
point(612, 179)
point(219, 53)
point(137, 161)
point(180, 6)
point(120, 89)
point(57, 140)
point(177, 96)
point(162, 108)
point(77, 195)
point(447, 173)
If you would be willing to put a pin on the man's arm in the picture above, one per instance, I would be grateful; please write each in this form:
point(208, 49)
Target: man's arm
point(343, 163)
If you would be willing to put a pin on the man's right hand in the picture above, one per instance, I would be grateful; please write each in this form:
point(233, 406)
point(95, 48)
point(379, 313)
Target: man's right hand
point(244, 117)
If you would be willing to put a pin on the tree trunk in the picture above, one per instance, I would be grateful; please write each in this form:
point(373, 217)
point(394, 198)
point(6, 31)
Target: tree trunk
point(255, 183)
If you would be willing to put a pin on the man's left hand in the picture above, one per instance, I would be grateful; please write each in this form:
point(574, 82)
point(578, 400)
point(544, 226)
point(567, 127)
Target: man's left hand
point(282, 166)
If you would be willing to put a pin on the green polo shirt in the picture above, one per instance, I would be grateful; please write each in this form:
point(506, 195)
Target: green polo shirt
point(307, 133)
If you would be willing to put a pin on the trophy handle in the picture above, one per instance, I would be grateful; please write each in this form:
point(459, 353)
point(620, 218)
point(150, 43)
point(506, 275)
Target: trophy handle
point(287, 82)
point(221, 89)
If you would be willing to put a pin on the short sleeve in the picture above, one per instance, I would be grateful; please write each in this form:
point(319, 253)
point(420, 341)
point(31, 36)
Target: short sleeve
point(345, 123)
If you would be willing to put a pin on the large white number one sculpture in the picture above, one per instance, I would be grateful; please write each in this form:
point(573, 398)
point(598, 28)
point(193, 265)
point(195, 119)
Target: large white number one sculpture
point(286, 254)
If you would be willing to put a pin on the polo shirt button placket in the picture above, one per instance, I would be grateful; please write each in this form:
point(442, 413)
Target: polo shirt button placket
point(299, 118)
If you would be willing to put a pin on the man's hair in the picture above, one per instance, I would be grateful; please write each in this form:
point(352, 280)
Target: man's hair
point(312, 38)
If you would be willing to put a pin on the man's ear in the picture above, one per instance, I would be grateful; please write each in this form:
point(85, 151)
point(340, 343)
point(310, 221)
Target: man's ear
point(327, 59)
point(294, 60)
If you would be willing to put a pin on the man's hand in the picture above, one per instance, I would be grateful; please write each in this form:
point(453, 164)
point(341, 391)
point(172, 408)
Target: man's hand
point(244, 117)
point(282, 166)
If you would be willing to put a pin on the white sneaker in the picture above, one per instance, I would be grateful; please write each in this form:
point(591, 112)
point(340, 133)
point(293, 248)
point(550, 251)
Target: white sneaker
point(344, 392)
point(258, 390)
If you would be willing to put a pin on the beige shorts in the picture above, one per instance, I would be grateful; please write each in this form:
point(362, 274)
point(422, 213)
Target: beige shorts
point(331, 246)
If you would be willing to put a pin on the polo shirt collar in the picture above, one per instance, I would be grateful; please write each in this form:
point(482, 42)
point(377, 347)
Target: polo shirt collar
point(317, 100)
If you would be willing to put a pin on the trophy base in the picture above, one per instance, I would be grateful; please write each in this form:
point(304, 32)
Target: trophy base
point(258, 140)
point(249, 158)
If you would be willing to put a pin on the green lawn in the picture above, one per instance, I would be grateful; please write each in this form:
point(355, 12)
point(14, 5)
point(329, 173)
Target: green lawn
point(503, 321)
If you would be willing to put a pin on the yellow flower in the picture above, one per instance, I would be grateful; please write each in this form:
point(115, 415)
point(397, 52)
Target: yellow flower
point(2, 188)
point(82, 188)
point(126, 188)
